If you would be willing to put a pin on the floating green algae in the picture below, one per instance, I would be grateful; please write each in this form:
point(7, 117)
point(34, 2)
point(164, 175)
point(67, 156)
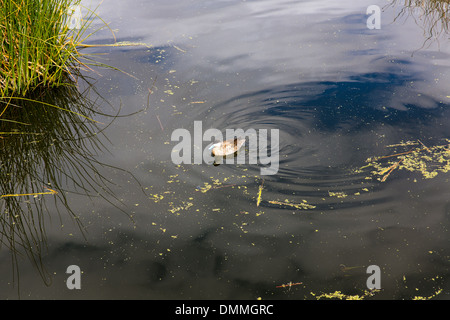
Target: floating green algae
point(412, 156)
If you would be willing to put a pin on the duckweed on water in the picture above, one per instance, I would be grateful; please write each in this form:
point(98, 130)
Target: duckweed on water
point(429, 297)
point(411, 156)
point(414, 157)
point(337, 194)
point(338, 295)
point(301, 206)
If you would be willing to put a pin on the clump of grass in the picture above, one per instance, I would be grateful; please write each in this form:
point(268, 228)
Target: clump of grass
point(38, 50)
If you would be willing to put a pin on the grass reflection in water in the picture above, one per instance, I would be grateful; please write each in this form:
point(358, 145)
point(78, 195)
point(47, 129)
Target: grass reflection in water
point(48, 149)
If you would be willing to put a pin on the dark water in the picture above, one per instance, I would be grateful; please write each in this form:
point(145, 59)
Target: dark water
point(338, 93)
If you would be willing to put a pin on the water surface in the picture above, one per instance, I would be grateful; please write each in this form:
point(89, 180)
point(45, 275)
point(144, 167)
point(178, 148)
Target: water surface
point(338, 93)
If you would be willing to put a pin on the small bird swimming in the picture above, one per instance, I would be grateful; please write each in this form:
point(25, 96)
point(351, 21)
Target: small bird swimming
point(225, 148)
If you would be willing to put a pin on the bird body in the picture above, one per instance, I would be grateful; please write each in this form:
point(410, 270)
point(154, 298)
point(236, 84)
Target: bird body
point(227, 147)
